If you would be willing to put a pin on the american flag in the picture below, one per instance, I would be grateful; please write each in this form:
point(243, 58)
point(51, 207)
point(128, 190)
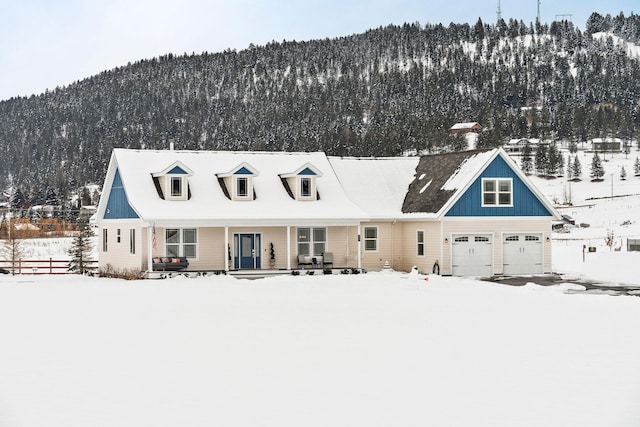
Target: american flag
point(154, 240)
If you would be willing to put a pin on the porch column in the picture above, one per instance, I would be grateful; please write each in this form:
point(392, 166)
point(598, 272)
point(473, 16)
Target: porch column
point(288, 247)
point(359, 250)
point(149, 248)
point(226, 248)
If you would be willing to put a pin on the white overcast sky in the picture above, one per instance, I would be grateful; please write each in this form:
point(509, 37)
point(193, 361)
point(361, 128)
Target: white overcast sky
point(50, 43)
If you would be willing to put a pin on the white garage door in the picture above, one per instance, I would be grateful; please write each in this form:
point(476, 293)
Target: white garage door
point(522, 253)
point(472, 255)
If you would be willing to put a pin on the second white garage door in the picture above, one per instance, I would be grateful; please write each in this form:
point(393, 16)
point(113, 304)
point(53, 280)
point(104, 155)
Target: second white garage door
point(522, 253)
point(471, 255)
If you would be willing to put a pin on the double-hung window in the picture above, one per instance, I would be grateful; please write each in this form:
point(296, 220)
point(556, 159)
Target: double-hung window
point(371, 239)
point(312, 241)
point(497, 192)
point(305, 187)
point(420, 242)
point(105, 235)
point(181, 242)
point(132, 241)
point(176, 186)
point(242, 186)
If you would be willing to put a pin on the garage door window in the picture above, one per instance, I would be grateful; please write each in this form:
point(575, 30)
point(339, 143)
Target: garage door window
point(497, 192)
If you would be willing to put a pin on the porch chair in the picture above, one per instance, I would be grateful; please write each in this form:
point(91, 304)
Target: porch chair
point(327, 259)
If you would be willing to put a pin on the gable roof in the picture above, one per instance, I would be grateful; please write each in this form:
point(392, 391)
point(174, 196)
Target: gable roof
point(442, 179)
point(208, 205)
point(467, 125)
point(438, 177)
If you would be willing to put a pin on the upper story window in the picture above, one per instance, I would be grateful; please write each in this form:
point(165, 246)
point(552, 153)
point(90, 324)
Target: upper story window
point(238, 184)
point(305, 187)
point(173, 182)
point(242, 186)
point(497, 192)
point(301, 184)
point(176, 186)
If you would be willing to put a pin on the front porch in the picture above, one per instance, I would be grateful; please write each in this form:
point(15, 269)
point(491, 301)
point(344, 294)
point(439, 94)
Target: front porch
point(260, 251)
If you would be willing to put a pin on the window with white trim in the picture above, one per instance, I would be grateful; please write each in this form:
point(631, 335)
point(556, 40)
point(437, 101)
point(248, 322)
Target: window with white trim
point(105, 235)
point(497, 192)
point(176, 186)
point(181, 242)
point(132, 241)
point(420, 243)
point(311, 241)
point(305, 187)
point(371, 239)
point(242, 187)
point(118, 235)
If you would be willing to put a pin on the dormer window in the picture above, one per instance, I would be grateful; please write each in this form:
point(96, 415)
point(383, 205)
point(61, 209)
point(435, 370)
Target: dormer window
point(173, 182)
point(176, 186)
point(242, 187)
point(301, 184)
point(305, 187)
point(237, 184)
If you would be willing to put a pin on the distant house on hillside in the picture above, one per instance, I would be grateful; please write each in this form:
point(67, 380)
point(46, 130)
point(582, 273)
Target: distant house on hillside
point(466, 128)
point(516, 146)
point(611, 145)
point(470, 213)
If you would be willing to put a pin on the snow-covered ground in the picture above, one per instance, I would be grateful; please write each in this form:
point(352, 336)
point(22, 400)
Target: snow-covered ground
point(379, 349)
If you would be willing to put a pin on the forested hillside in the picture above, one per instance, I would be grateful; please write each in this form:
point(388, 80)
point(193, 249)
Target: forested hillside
point(383, 92)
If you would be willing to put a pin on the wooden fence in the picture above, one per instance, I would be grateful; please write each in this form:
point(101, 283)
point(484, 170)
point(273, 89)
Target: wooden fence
point(43, 266)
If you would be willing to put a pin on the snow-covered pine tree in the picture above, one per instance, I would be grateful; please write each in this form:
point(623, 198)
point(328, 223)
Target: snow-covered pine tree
point(526, 163)
point(541, 160)
point(623, 173)
point(597, 171)
point(81, 247)
point(636, 167)
point(553, 159)
point(576, 168)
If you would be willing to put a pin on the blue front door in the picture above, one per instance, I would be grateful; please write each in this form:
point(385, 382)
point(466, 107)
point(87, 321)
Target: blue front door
point(247, 250)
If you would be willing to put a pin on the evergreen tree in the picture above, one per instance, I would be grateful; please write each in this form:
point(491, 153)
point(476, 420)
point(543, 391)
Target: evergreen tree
point(541, 160)
point(636, 167)
point(623, 174)
point(525, 162)
point(81, 248)
point(573, 146)
point(597, 171)
point(553, 160)
point(576, 169)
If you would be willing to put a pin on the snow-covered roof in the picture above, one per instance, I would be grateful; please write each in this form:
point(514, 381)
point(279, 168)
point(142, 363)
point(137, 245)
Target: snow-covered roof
point(208, 204)
point(467, 125)
point(377, 185)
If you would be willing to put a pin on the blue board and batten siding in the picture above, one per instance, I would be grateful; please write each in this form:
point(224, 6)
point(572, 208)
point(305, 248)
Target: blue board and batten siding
point(118, 206)
point(525, 202)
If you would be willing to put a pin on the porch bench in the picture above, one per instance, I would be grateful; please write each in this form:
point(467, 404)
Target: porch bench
point(170, 263)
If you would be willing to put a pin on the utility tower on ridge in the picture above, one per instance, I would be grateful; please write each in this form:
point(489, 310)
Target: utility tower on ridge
point(499, 11)
point(538, 11)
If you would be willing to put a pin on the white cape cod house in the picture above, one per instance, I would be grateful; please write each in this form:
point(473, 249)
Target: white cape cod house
point(469, 213)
